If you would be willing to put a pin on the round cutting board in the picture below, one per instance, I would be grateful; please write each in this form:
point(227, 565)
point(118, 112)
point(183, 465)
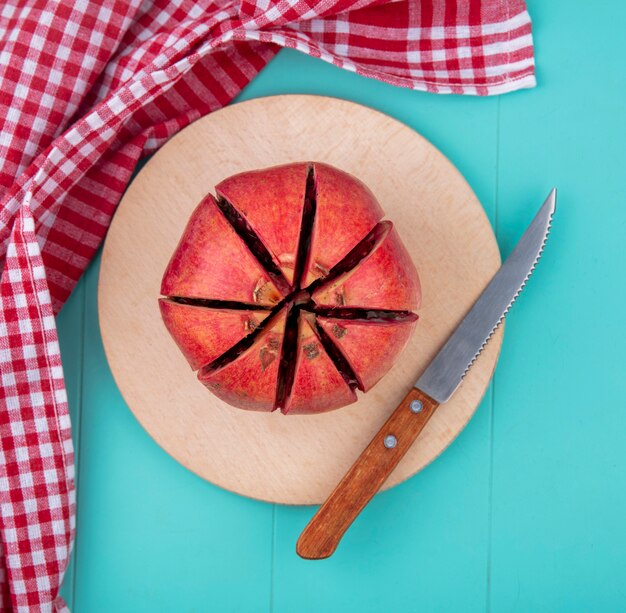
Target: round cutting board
point(269, 456)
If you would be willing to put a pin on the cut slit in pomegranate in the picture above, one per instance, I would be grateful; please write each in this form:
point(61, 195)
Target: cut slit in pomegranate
point(337, 357)
point(244, 344)
point(317, 385)
point(365, 315)
point(207, 303)
point(203, 334)
point(362, 250)
point(254, 244)
point(306, 230)
point(287, 364)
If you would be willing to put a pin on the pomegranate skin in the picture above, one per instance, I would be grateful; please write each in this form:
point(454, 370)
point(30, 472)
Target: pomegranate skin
point(371, 349)
point(249, 381)
point(271, 201)
point(386, 279)
point(318, 385)
point(211, 261)
point(340, 197)
point(288, 291)
point(203, 334)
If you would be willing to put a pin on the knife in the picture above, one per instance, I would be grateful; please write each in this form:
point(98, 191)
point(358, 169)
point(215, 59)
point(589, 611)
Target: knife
point(436, 385)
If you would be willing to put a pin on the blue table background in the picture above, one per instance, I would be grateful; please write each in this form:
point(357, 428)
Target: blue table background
point(526, 511)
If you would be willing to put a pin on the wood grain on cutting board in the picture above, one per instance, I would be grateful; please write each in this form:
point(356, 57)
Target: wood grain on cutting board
point(272, 457)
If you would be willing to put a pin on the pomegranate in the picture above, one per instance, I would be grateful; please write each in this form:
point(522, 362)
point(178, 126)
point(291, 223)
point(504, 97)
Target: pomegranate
point(288, 291)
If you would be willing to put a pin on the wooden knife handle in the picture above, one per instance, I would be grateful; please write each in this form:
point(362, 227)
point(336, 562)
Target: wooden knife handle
point(323, 533)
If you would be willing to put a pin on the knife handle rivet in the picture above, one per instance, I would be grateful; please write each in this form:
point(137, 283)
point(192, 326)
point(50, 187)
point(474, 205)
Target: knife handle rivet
point(416, 406)
point(390, 441)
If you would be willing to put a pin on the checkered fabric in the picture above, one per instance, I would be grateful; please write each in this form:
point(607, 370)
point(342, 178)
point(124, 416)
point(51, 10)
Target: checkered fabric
point(89, 87)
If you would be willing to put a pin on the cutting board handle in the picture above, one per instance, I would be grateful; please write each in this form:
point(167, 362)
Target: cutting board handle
point(323, 533)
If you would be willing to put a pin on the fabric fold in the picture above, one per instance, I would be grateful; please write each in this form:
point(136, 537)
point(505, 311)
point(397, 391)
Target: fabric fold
point(37, 496)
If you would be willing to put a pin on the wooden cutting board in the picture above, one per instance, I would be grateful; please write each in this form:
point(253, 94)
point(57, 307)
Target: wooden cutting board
point(272, 457)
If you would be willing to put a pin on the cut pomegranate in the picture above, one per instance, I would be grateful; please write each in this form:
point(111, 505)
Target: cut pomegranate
point(318, 385)
point(207, 303)
point(211, 261)
point(343, 366)
point(287, 366)
point(360, 252)
point(346, 212)
point(254, 244)
point(289, 292)
point(247, 377)
point(365, 315)
point(386, 279)
point(369, 348)
point(277, 314)
point(204, 334)
point(271, 202)
point(306, 230)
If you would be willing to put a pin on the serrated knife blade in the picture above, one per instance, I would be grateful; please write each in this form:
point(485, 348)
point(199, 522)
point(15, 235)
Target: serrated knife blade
point(446, 371)
point(435, 386)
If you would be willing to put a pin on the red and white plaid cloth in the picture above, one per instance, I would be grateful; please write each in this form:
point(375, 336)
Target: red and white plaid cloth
point(89, 87)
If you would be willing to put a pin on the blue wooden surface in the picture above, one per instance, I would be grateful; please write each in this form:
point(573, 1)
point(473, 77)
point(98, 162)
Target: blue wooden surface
point(525, 511)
